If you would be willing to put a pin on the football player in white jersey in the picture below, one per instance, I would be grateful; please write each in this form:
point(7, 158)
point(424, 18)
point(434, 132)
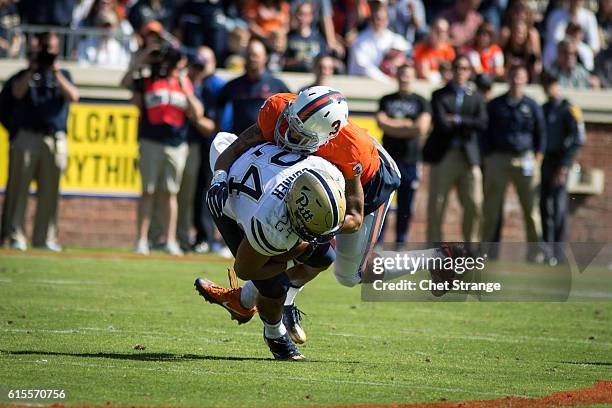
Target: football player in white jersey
point(281, 206)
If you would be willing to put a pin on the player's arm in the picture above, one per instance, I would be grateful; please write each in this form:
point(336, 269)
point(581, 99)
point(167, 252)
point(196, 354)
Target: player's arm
point(354, 206)
point(250, 264)
point(253, 264)
point(218, 192)
point(252, 136)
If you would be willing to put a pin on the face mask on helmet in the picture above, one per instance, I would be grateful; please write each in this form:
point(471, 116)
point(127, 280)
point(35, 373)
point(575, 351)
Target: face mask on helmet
point(316, 206)
point(308, 128)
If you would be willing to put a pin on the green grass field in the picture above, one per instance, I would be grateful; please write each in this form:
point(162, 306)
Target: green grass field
point(73, 324)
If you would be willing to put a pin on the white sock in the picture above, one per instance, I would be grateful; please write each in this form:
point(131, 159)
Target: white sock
point(410, 262)
point(248, 295)
point(274, 331)
point(291, 294)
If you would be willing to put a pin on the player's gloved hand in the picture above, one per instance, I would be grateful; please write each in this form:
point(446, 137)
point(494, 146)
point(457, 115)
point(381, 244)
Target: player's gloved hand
point(217, 193)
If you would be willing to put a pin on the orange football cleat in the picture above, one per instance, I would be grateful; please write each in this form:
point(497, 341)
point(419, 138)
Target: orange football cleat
point(229, 298)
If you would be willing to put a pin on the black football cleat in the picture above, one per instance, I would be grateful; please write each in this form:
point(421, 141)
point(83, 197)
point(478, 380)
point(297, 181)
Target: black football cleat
point(283, 349)
point(292, 318)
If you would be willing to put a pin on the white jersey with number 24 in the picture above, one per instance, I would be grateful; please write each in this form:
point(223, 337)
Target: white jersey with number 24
point(258, 183)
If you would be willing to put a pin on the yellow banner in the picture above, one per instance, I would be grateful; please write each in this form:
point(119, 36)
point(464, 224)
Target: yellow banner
point(103, 150)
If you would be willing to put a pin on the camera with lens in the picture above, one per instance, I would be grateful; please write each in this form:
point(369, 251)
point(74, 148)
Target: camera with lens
point(164, 59)
point(45, 59)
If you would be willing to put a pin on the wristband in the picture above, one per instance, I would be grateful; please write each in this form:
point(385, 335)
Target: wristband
point(220, 176)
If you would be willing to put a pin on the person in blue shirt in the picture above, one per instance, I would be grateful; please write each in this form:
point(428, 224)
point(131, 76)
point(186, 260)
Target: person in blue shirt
point(513, 147)
point(566, 135)
point(248, 92)
point(41, 96)
point(199, 134)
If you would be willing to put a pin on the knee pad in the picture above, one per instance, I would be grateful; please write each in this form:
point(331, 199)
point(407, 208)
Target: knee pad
point(273, 288)
point(322, 257)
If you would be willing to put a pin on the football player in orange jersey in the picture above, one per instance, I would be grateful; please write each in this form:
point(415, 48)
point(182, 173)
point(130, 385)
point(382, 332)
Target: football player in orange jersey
point(316, 122)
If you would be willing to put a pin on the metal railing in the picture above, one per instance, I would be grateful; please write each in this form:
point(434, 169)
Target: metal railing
point(70, 39)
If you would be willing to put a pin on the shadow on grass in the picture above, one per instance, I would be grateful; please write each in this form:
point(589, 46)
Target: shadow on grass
point(157, 357)
point(136, 356)
point(593, 363)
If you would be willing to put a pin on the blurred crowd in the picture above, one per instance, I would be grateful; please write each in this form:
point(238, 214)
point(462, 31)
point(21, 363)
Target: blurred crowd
point(363, 37)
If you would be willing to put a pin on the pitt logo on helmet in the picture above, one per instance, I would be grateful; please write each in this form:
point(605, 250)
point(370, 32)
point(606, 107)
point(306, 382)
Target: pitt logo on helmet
point(316, 206)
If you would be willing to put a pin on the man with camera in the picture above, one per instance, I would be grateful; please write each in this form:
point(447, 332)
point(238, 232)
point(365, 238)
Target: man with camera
point(167, 103)
point(41, 95)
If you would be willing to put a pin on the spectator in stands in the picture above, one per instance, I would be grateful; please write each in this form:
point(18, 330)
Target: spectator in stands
point(348, 17)
point(303, 43)
point(604, 20)
point(234, 58)
point(407, 18)
point(322, 13)
point(199, 133)
point(561, 17)
point(493, 11)
point(430, 53)
point(452, 150)
point(248, 92)
point(372, 44)
point(162, 133)
point(278, 47)
point(603, 66)
point(566, 135)
point(405, 118)
point(519, 13)
point(463, 19)
point(486, 56)
point(124, 31)
point(48, 12)
point(104, 50)
point(148, 10)
point(570, 72)
point(584, 52)
point(513, 147)
point(266, 16)
point(10, 37)
point(200, 23)
point(42, 94)
point(519, 50)
point(323, 69)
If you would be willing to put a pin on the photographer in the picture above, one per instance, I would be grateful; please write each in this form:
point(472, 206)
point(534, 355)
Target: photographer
point(42, 94)
point(167, 103)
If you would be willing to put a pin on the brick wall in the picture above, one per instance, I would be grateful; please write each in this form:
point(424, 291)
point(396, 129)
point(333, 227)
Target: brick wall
point(112, 222)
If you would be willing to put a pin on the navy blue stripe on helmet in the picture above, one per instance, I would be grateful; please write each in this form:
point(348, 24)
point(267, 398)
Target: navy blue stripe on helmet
point(330, 195)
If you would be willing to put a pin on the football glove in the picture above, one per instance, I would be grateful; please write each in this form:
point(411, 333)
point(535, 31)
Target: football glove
point(217, 194)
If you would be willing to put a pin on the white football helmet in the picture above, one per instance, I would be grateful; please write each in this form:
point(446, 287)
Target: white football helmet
point(316, 205)
point(315, 117)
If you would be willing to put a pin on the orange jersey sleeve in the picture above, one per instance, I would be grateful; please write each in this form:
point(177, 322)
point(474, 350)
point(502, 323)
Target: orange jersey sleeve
point(269, 113)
